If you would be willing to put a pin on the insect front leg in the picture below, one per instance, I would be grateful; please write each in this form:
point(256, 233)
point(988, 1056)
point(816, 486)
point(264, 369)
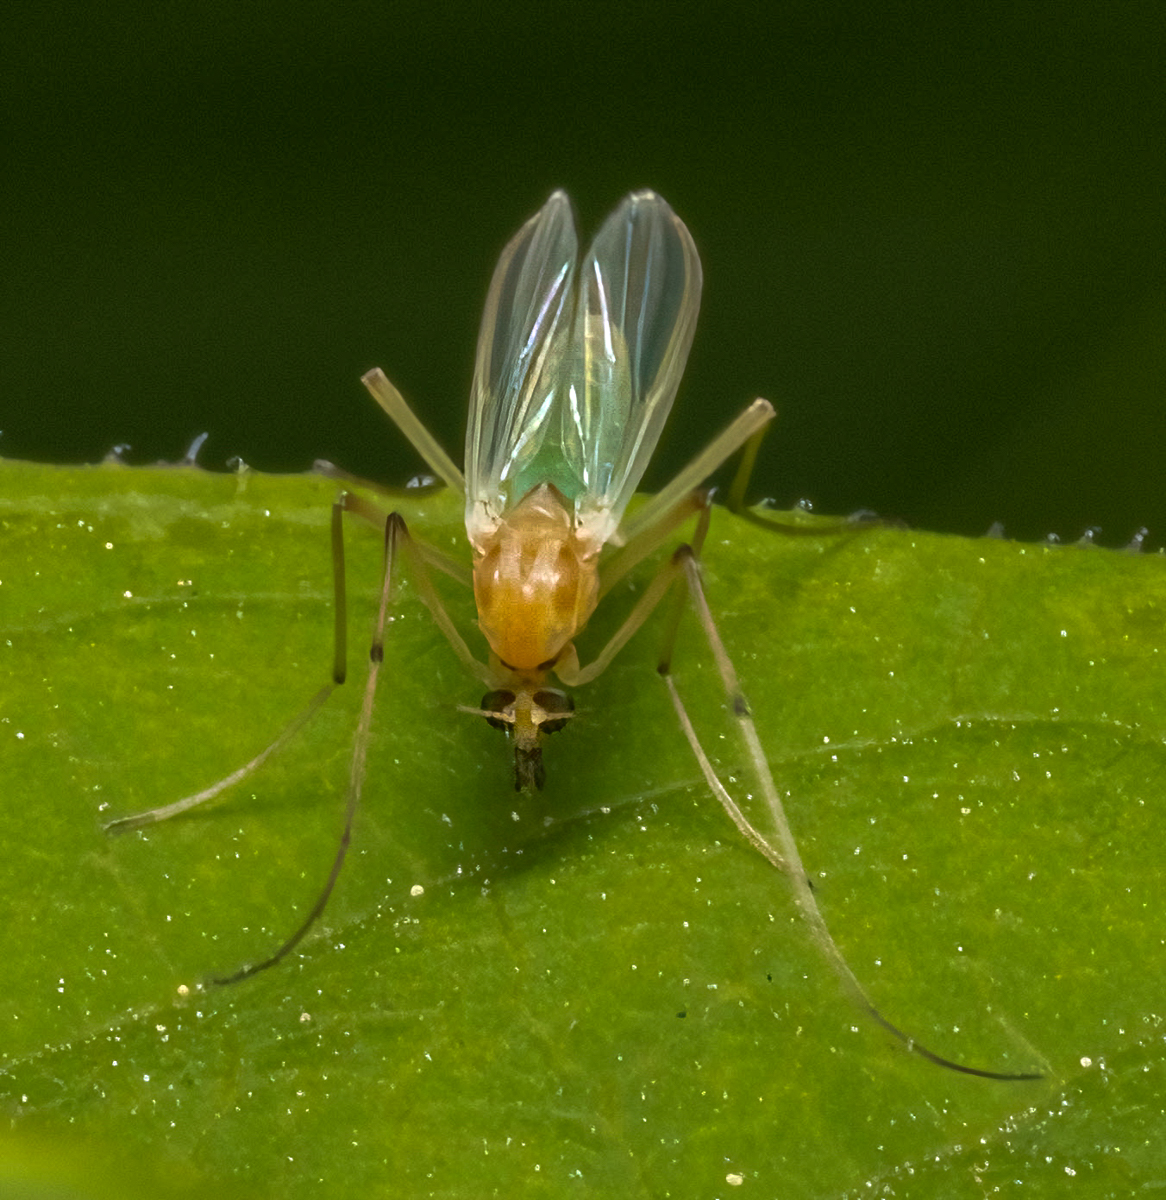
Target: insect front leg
point(346, 502)
point(399, 544)
point(784, 854)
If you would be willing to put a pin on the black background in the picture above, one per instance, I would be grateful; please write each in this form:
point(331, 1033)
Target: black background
point(932, 234)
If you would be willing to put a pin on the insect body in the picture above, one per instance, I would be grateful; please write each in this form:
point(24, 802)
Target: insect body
point(577, 368)
point(578, 364)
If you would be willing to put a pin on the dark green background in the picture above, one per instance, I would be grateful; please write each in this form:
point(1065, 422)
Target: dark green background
point(932, 234)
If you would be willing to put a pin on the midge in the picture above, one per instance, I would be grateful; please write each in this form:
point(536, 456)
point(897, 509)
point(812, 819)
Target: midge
point(577, 366)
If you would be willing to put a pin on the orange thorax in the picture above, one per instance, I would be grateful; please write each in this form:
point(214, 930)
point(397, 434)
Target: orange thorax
point(535, 581)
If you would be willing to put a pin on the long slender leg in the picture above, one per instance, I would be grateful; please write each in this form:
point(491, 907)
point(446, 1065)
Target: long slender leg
point(722, 447)
point(649, 539)
point(398, 543)
point(394, 527)
point(644, 607)
point(407, 421)
point(339, 669)
point(165, 811)
point(437, 559)
point(655, 593)
point(419, 560)
point(684, 565)
point(620, 563)
point(422, 558)
point(740, 484)
point(785, 854)
point(682, 497)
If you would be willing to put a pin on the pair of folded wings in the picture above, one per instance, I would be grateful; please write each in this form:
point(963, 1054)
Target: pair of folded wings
point(579, 361)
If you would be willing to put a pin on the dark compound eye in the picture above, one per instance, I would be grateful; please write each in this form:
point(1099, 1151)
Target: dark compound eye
point(497, 702)
point(553, 702)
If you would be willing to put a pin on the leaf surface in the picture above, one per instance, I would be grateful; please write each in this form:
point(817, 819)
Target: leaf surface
point(599, 990)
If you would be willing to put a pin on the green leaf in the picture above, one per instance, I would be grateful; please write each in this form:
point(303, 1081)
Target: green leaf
point(600, 990)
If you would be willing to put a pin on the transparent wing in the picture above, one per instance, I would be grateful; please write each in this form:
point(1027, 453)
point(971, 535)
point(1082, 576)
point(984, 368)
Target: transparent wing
point(573, 383)
point(639, 295)
point(524, 338)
